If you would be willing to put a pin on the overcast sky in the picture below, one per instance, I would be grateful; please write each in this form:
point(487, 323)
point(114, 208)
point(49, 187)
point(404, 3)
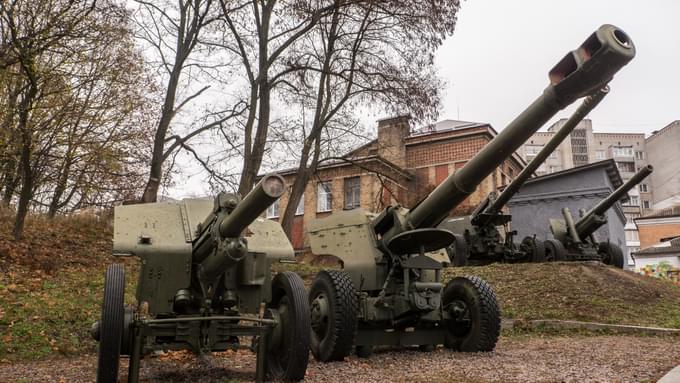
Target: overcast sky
point(497, 61)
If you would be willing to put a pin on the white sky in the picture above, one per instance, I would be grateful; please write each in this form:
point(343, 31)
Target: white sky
point(498, 59)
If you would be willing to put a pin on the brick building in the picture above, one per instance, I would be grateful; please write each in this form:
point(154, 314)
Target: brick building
point(400, 166)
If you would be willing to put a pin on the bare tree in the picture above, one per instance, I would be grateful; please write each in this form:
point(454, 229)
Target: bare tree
point(260, 32)
point(376, 54)
point(175, 33)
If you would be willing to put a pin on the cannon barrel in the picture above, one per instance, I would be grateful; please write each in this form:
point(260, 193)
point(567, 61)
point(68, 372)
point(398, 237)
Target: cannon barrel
point(588, 223)
point(586, 107)
point(265, 193)
point(219, 243)
point(579, 73)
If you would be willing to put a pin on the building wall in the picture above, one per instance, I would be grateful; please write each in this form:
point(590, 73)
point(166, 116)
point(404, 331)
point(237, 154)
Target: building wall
point(663, 152)
point(537, 202)
point(642, 261)
point(428, 160)
point(653, 230)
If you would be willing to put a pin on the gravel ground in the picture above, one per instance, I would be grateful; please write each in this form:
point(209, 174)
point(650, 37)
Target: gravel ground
point(516, 359)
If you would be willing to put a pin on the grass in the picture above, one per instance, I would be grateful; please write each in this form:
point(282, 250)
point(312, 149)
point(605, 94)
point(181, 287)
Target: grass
point(51, 285)
point(580, 291)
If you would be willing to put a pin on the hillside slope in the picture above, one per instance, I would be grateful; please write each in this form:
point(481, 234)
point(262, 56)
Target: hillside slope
point(588, 291)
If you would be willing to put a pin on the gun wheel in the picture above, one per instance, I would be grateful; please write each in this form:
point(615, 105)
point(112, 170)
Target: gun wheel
point(554, 251)
point(535, 250)
point(333, 305)
point(111, 325)
point(288, 353)
point(475, 322)
point(611, 254)
point(458, 252)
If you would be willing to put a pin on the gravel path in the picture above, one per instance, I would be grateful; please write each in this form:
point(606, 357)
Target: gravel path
point(516, 359)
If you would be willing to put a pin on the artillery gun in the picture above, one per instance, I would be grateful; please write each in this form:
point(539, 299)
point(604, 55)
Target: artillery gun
point(205, 281)
point(575, 241)
point(390, 291)
point(485, 244)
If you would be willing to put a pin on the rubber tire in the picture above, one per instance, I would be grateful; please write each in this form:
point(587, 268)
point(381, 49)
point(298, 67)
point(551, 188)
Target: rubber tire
point(485, 315)
point(338, 339)
point(459, 252)
point(554, 251)
point(538, 253)
point(289, 361)
point(111, 325)
point(611, 254)
point(364, 351)
point(427, 347)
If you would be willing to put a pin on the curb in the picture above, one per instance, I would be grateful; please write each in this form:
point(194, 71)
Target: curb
point(591, 326)
point(673, 376)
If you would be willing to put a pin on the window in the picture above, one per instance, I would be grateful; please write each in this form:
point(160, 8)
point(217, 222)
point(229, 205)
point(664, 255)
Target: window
point(620, 151)
point(639, 155)
point(300, 209)
point(600, 155)
point(324, 196)
point(634, 200)
point(645, 205)
point(643, 188)
point(555, 168)
point(352, 192)
point(626, 167)
point(632, 236)
point(273, 210)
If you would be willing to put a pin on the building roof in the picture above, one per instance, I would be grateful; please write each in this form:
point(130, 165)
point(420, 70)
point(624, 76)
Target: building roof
point(673, 211)
point(446, 125)
point(668, 247)
point(608, 165)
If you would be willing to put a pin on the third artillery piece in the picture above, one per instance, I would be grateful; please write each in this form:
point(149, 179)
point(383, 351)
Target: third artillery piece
point(481, 242)
point(575, 240)
point(391, 289)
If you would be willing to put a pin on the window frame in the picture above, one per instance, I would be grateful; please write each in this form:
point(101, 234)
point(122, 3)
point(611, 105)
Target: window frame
point(274, 210)
point(328, 192)
point(355, 192)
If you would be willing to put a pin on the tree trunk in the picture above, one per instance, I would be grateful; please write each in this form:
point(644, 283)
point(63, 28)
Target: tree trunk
point(158, 155)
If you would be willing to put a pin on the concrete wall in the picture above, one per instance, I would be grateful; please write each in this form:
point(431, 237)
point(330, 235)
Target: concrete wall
point(540, 200)
point(663, 152)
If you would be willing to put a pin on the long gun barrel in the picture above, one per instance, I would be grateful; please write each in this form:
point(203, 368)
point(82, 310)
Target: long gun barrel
point(579, 73)
point(219, 243)
point(592, 220)
point(586, 107)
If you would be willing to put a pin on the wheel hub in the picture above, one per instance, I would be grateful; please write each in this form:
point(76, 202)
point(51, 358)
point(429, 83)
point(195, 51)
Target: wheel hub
point(319, 314)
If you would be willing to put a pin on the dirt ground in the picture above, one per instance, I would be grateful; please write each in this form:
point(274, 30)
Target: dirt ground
point(516, 359)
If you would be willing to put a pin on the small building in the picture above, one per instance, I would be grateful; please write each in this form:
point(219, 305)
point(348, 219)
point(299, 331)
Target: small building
point(400, 166)
point(664, 256)
point(658, 226)
point(542, 198)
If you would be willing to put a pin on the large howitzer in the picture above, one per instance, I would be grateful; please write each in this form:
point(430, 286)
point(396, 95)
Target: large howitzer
point(484, 241)
point(204, 282)
point(575, 241)
point(390, 291)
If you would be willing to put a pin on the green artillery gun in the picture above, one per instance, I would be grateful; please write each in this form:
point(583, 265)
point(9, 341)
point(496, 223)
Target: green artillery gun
point(205, 281)
point(485, 244)
point(390, 291)
point(575, 241)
